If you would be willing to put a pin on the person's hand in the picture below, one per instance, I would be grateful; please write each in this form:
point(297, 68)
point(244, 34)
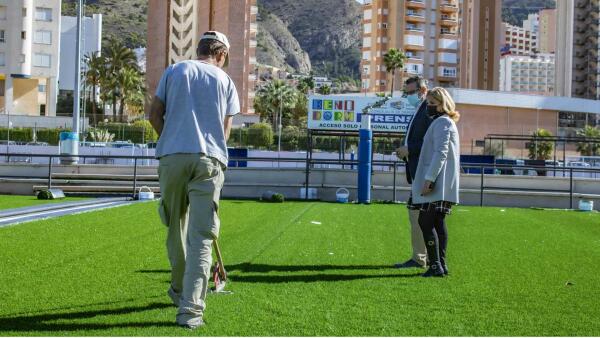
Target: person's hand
point(402, 152)
point(427, 188)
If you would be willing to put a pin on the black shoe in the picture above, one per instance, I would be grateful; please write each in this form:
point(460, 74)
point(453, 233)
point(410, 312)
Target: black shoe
point(411, 263)
point(434, 271)
point(446, 272)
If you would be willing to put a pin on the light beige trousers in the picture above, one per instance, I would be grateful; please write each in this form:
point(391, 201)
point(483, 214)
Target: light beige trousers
point(419, 251)
point(190, 186)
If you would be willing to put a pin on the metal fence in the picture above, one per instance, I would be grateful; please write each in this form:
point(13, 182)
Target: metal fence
point(482, 170)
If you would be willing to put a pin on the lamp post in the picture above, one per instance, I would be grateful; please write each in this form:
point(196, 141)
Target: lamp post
point(279, 130)
point(69, 142)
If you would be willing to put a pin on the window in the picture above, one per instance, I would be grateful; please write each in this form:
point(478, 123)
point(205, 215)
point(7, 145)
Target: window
point(43, 37)
point(2, 37)
point(2, 12)
point(43, 14)
point(42, 60)
point(24, 12)
point(367, 42)
point(42, 88)
point(367, 28)
point(366, 55)
point(2, 60)
point(24, 35)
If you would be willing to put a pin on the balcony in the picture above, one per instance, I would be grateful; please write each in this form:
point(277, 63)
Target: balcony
point(412, 28)
point(415, 17)
point(448, 7)
point(419, 4)
point(448, 20)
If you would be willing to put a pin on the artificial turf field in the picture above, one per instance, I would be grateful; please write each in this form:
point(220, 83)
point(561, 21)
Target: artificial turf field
point(11, 202)
point(513, 272)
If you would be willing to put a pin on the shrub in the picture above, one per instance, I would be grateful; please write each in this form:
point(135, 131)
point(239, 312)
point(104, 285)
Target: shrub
point(539, 149)
point(260, 135)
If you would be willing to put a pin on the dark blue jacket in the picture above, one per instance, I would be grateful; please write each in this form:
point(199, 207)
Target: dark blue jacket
point(417, 131)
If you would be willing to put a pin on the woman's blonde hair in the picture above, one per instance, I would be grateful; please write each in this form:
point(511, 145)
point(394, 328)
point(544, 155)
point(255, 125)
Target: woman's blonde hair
point(446, 102)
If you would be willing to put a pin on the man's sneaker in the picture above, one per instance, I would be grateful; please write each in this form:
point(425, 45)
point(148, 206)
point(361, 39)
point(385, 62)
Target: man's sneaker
point(192, 324)
point(411, 263)
point(174, 296)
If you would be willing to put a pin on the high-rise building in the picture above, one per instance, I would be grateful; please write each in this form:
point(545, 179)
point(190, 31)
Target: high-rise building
point(91, 43)
point(29, 49)
point(577, 48)
point(532, 23)
point(586, 61)
point(427, 31)
point(175, 27)
point(547, 31)
point(480, 44)
point(522, 41)
point(527, 75)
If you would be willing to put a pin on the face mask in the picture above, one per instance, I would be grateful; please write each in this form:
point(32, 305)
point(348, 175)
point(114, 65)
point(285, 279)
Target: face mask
point(432, 110)
point(414, 100)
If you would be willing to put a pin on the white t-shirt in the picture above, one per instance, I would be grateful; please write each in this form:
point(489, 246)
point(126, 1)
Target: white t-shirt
point(197, 96)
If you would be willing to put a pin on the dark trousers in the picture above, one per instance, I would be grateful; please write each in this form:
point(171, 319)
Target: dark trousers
point(435, 234)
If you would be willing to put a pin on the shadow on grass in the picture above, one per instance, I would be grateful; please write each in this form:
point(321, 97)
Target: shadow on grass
point(273, 279)
point(44, 322)
point(263, 268)
point(258, 273)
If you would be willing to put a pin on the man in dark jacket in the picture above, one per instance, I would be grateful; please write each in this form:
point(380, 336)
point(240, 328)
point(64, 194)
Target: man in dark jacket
point(415, 92)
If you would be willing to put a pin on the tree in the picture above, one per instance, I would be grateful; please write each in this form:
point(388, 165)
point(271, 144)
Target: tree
point(96, 70)
point(588, 148)
point(538, 148)
point(131, 83)
point(393, 60)
point(274, 96)
point(324, 90)
point(120, 60)
point(306, 84)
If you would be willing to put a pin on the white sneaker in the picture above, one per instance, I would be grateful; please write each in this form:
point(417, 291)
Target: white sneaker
point(192, 323)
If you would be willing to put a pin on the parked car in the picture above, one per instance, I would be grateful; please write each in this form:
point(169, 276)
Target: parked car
point(42, 144)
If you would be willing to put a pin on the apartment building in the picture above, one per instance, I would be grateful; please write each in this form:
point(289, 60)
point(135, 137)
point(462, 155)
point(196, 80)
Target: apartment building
point(29, 56)
point(481, 35)
point(586, 61)
point(427, 31)
point(547, 31)
point(527, 75)
point(577, 48)
point(522, 41)
point(91, 43)
point(175, 27)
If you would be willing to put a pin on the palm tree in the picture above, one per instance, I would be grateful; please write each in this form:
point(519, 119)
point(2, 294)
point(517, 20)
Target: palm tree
point(324, 90)
point(393, 59)
point(306, 84)
point(131, 85)
point(96, 69)
point(276, 96)
point(119, 59)
point(588, 148)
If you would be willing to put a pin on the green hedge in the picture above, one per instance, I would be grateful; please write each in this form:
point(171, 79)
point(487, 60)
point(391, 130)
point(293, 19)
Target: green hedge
point(140, 131)
point(51, 136)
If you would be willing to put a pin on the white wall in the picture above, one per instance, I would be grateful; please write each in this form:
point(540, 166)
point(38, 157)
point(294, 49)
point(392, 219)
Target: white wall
point(92, 42)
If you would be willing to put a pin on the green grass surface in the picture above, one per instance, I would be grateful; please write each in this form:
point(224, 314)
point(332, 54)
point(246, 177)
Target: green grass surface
point(514, 272)
point(14, 201)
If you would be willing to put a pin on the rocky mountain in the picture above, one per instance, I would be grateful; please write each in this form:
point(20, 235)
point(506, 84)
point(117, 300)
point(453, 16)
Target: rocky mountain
point(277, 47)
point(122, 19)
point(515, 11)
point(329, 31)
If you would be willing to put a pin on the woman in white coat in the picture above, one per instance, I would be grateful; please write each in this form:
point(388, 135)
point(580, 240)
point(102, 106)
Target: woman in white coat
point(436, 183)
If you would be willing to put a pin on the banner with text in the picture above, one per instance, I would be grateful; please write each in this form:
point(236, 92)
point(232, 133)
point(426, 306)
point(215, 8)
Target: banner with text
point(345, 113)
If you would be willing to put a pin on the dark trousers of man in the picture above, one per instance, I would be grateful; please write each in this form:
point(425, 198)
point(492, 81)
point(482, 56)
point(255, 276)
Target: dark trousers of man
point(435, 234)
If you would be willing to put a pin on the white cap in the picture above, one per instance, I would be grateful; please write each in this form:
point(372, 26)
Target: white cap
point(222, 38)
